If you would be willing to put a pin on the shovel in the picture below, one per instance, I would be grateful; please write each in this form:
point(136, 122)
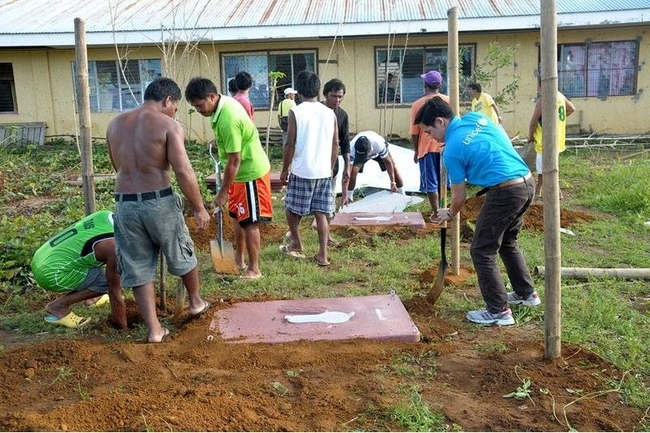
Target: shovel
point(436, 290)
point(223, 253)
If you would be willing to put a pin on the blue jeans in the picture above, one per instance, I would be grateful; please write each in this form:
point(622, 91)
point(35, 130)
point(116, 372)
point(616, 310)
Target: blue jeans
point(497, 227)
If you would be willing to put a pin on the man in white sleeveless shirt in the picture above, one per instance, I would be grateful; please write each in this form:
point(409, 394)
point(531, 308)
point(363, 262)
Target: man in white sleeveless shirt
point(309, 157)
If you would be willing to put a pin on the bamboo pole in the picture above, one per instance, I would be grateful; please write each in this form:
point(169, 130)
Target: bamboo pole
point(586, 273)
point(552, 243)
point(83, 107)
point(454, 99)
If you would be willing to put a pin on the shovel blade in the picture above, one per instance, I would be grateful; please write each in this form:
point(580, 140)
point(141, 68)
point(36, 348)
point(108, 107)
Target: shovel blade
point(223, 257)
point(181, 295)
point(438, 285)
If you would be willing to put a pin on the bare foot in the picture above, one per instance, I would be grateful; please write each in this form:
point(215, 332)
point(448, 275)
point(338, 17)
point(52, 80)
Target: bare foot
point(55, 310)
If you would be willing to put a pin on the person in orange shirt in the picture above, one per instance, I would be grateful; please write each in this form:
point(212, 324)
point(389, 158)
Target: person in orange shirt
point(427, 149)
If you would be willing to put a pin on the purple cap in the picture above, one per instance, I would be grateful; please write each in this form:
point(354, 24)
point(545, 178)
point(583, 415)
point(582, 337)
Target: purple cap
point(432, 77)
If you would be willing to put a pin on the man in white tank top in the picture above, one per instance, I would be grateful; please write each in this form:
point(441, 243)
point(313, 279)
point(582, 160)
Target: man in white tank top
point(309, 157)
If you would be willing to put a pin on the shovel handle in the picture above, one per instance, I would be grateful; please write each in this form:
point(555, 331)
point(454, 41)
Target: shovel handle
point(219, 213)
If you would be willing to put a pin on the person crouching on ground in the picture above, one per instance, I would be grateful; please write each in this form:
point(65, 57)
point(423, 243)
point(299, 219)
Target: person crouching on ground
point(369, 145)
point(80, 260)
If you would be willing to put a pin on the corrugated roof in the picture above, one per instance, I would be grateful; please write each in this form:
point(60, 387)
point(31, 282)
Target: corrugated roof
point(143, 20)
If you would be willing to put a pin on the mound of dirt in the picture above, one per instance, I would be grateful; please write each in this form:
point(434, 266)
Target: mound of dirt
point(198, 382)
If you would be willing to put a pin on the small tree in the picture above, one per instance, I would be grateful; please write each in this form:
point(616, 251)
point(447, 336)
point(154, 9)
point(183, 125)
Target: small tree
point(275, 76)
point(498, 58)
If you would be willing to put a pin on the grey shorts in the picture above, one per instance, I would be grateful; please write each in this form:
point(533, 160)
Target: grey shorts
point(142, 228)
point(95, 281)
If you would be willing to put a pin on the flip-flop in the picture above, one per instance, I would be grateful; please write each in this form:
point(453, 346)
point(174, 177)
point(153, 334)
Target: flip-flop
point(101, 301)
point(206, 307)
point(70, 321)
point(287, 240)
point(319, 263)
point(162, 339)
point(295, 254)
point(331, 242)
point(250, 277)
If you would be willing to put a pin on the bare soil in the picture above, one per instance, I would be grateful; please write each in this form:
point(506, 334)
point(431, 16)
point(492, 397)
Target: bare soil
point(194, 383)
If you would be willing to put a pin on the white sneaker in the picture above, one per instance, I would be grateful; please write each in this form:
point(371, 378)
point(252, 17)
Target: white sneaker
point(484, 317)
point(531, 301)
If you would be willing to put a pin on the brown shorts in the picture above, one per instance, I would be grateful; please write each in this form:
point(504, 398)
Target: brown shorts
point(251, 202)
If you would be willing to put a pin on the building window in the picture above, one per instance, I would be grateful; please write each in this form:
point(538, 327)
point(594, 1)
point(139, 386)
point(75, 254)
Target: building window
point(259, 65)
point(7, 89)
point(113, 89)
point(598, 69)
point(398, 71)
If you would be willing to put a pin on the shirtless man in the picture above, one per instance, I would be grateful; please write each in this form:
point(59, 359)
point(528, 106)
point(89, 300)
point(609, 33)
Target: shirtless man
point(144, 146)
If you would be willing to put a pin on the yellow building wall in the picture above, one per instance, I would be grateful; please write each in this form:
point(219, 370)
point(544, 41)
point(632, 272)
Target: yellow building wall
point(44, 91)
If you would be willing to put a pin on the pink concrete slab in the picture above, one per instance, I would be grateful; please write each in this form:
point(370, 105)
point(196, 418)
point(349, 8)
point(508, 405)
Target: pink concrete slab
point(381, 317)
point(412, 219)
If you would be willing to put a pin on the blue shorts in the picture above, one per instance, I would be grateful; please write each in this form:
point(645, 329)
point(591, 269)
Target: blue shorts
point(429, 172)
point(143, 227)
point(306, 196)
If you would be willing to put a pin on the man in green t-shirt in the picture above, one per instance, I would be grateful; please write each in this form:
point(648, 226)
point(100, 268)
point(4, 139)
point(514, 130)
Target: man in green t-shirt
point(80, 260)
point(246, 183)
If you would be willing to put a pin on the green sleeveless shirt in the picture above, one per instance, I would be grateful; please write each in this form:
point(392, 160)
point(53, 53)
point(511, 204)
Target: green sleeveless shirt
point(63, 262)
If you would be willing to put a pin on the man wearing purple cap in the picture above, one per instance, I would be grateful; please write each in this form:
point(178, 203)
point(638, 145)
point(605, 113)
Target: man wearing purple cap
point(427, 149)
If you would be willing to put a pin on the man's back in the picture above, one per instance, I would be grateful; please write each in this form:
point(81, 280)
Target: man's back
point(426, 143)
point(315, 130)
point(138, 145)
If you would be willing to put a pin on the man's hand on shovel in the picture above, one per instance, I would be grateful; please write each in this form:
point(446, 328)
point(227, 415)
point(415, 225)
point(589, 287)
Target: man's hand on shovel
point(221, 199)
point(444, 214)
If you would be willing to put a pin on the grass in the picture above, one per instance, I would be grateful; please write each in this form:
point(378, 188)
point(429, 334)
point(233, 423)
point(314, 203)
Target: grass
point(412, 413)
point(596, 314)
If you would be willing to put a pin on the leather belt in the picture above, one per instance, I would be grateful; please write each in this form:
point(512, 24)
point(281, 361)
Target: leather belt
point(514, 181)
point(142, 196)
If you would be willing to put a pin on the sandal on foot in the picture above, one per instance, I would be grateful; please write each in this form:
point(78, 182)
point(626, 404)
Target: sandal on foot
point(70, 321)
point(205, 308)
point(101, 300)
point(162, 339)
point(319, 263)
point(284, 249)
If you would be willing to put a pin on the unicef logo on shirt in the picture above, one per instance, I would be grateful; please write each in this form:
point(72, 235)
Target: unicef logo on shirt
point(481, 123)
